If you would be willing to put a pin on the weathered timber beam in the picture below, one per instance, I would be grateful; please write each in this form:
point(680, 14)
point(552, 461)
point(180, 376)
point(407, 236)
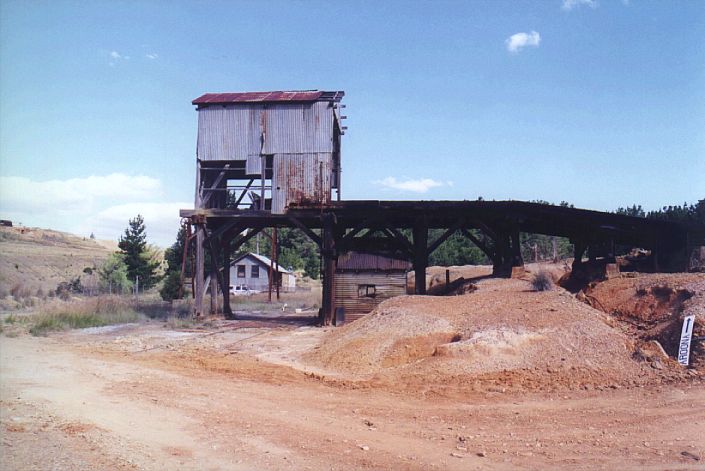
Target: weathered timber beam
point(215, 184)
point(198, 275)
point(244, 192)
point(221, 230)
point(437, 243)
point(220, 280)
point(370, 232)
point(402, 242)
point(226, 278)
point(378, 245)
point(328, 253)
point(484, 228)
point(312, 235)
point(491, 254)
point(237, 243)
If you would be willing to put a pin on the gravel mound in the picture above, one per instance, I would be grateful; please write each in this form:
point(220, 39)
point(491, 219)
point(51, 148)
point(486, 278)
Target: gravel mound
point(503, 335)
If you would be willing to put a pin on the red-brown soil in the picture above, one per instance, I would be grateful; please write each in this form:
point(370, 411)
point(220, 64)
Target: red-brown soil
point(500, 378)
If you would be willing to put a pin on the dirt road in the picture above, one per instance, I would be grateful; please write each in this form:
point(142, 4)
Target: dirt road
point(68, 403)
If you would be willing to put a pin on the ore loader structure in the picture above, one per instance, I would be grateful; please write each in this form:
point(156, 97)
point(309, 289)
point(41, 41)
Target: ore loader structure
point(267, 160)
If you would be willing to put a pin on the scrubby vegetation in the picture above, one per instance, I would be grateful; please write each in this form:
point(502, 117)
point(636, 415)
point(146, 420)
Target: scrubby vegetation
point(542, 281)
point(91, 312)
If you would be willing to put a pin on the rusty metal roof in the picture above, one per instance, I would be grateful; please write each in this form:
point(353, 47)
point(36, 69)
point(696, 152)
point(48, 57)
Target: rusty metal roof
point(365, 261)
point(298, 96)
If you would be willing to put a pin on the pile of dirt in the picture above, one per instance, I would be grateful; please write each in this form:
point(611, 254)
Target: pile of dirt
point(651, 307)
point(502, 336)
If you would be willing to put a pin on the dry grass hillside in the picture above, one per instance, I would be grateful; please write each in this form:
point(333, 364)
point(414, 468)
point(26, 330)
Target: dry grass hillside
point(33, 259)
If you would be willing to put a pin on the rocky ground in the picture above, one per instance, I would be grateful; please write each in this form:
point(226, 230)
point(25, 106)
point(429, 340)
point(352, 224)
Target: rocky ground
point(499, 378)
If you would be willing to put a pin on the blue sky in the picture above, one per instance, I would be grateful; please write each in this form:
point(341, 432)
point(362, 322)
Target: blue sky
point(600, 103)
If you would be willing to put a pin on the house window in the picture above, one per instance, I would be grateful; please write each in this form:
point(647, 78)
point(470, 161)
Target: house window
point(241, 271)
point(366, 291)
point(254, 271)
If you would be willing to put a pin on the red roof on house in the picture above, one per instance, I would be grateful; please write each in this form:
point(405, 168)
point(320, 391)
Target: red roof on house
point(267, 97)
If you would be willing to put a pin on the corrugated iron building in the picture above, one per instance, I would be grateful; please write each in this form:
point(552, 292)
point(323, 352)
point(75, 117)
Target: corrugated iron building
point(295, 135)
point(362, 281)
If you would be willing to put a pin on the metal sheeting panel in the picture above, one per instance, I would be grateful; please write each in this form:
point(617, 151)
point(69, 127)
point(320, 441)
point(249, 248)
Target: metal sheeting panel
point(228, 133)
point(234, 132)
point(301, 178)
point(298, 128)
point(387, 285)
point(253, 166)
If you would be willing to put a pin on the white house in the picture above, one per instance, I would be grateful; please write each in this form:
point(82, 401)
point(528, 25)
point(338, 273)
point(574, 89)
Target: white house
point(252, 270)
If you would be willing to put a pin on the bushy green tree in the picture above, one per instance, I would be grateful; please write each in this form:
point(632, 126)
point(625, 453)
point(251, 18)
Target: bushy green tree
point(139, 262)
point(113, 275)
point(540, 246)
point(634, 210)
point(456, 250)
point(173, 256)
point(296, 250)
point(170, 288)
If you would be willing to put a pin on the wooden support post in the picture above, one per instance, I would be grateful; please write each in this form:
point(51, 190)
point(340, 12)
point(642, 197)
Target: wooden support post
point(503, 263)
point(578, 251)
point(226, 279)
point(275, 252)
point(271, 266)
point(214, 283)
point(517, 259)
point(198, 275)
point(329, 256)
point(420, 232)
point(184, 258)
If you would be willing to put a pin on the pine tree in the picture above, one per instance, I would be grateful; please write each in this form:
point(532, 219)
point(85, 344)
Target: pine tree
point(133, 246)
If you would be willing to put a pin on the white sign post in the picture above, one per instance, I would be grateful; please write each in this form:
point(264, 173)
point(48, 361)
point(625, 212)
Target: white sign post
point(686, 337)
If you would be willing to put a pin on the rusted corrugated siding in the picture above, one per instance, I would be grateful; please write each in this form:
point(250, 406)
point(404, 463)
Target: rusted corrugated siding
point(301, 178)
point(234, 132)
point(370, 262)
point(387, 284)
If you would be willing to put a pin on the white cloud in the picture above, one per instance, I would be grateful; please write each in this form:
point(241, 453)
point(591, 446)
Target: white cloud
point(116, 57)
point(416, 186)
point(516, 42)
point(152, 56)
point(98, 204)
point(571, 4)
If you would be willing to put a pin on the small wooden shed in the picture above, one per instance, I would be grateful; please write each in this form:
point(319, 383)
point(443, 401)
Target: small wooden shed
point(363, 280)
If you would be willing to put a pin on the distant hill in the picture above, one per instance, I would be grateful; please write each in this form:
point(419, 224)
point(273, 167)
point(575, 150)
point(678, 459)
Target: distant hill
point(42, 258)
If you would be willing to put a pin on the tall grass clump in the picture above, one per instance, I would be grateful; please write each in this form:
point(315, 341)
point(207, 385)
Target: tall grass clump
point(91, 312)
point(542, 281)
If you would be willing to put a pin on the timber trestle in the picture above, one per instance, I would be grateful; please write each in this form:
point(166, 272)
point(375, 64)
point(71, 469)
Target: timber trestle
point(400, 229)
